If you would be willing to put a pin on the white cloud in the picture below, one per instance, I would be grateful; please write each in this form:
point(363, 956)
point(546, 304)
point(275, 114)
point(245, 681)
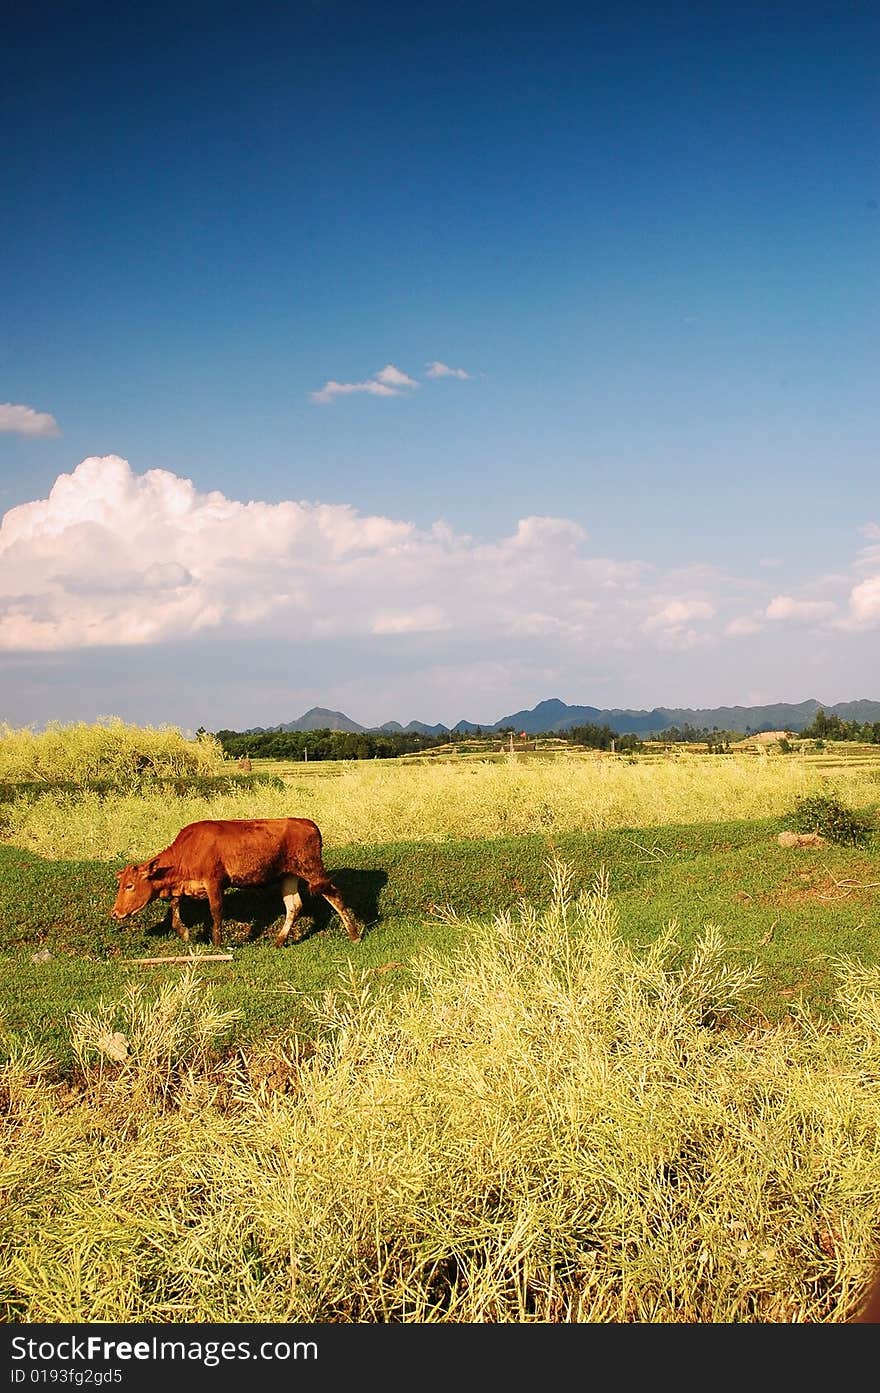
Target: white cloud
point(743, 627)
point(24, 420)
point(677, 612)
point(436, 369)
point(802, 611)
point(420, 620)
point(534, 533)
point(393, 377)
point(245, 590)
point(388, 382)
point(333, 389)
point(112, 557)
point(864, 597)
point(864, 603)
point(672, 628)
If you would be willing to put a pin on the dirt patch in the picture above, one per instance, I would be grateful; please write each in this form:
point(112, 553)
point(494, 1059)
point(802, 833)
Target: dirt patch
point(825, 890)
point(819, 886)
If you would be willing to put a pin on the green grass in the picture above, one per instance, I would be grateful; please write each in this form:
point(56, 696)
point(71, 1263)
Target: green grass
point(793, 910)
point(587, 1072)
point(547, 1125)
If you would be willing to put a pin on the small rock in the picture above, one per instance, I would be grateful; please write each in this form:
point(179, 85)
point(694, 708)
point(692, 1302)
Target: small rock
point(801, 839)
point(43, 956)
point(113, 1044)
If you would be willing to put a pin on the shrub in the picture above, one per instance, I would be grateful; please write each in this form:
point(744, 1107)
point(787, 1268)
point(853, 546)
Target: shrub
point(107, 754)
point(826, 814)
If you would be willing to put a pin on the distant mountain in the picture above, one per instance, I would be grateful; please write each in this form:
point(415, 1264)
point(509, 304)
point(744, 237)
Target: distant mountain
point(554, 716)
point(860, 711)
point(319, 718)
point(412, 728)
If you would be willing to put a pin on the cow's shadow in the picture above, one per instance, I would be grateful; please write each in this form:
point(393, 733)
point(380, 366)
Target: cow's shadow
point(250, 913)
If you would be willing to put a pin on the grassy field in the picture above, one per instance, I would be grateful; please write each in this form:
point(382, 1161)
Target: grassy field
point(558, 901)
point(689, 838)
point(794, 911)
point(542, 1125)
point(373, 802)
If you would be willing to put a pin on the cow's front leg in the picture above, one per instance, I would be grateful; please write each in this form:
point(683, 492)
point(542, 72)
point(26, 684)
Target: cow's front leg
point(215, 900)
point(176, 922)
point(293, 905)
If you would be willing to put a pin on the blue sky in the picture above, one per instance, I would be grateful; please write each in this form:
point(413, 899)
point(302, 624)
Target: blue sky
point(640, 250)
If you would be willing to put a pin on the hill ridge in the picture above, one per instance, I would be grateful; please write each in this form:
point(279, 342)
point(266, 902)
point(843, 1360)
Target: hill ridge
point(553, 716)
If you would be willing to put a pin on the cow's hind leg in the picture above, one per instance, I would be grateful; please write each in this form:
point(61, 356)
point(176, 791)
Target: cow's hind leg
point(293, 905)
point(335, 900)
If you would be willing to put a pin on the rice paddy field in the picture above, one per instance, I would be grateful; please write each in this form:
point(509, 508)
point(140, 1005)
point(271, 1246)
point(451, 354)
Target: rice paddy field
point(607, 1051)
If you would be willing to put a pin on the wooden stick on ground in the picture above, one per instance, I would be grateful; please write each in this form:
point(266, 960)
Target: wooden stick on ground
point(186, 958)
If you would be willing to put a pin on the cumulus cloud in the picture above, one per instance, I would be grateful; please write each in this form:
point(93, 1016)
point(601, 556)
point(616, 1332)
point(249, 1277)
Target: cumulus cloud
point(672, 625)
point(855, 606)
point(802, 611)
point(387, 382)
point(116, 558)
point(864, 604)
point(743, 626)
point(677, 612)
point(436, 369)
point(863, 607)
point(24, 420)
point(112, 558)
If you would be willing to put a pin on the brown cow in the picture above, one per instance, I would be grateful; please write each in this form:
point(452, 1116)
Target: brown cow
point(205, 857)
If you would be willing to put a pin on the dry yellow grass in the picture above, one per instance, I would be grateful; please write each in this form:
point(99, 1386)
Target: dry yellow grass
point(553, 1128)
point(373, 801)
point(106, 751)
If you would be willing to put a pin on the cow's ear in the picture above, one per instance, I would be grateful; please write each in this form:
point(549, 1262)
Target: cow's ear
point(151, 868)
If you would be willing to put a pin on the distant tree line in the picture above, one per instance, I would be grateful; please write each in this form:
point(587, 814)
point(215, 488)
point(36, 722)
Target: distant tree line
point(324, 744)
point(825, 727)
point(596, 737)
point(717, 740)
point(344, 744)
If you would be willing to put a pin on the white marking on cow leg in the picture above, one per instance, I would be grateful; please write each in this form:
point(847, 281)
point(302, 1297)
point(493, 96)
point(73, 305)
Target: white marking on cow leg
point(293, 905)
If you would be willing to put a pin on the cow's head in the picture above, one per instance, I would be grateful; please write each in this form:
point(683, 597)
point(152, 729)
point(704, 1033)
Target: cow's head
point(136, 889)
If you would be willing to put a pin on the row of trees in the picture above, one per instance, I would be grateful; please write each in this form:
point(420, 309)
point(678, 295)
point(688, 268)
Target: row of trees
point(602, 737)
point(343, 744)
point(693, 735)
point(324, 744)
point(825, 727)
